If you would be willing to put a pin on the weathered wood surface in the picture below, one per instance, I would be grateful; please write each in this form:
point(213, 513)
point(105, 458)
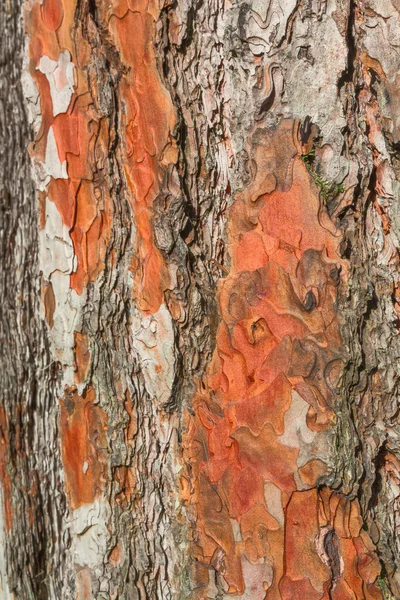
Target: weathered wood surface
point(200, 300)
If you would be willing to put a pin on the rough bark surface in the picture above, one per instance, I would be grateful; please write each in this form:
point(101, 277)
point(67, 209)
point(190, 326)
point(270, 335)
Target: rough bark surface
point(33, 536)
point(200, 300)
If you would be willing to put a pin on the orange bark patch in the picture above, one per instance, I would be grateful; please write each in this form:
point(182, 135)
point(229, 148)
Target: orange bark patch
point(303, 563)
point(4, 474)
point(147, 128)
point(82, 357)
point(256, 440)
point(84, 585)
point(125, 479)
point(52, 14)
point(49, 302)
point(79, 133)
point(131, 428)
point(83, 428)
point(117, 554)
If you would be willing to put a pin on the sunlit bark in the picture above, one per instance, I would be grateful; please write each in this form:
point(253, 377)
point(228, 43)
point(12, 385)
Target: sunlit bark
point(200, 300)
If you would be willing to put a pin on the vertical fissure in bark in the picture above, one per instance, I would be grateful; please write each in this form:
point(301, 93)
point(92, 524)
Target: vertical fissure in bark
point(370, 225)
point(347, 76)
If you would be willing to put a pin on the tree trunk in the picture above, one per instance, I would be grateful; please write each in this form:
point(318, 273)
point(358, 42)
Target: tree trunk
point(200, 300)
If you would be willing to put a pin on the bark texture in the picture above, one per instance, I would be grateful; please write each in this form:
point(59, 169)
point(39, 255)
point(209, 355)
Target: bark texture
point(33, 505)
point(200, 300)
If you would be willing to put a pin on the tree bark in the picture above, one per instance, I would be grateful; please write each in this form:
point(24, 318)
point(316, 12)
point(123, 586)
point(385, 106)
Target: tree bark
point(200, 300)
